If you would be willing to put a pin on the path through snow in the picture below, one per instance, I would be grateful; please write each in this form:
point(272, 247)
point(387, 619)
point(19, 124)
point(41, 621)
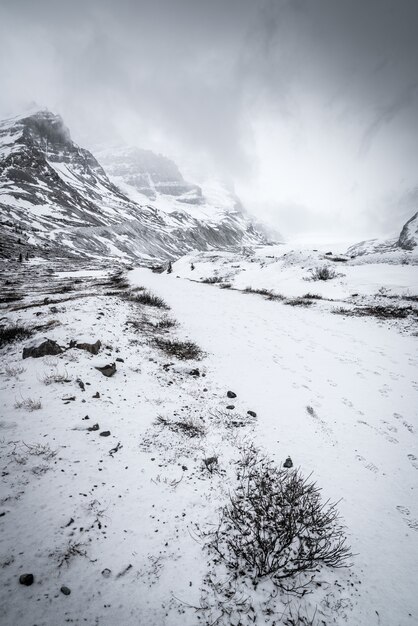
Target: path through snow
point(340, 396)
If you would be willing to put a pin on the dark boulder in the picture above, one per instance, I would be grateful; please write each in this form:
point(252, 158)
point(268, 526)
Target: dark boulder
point(46, 347)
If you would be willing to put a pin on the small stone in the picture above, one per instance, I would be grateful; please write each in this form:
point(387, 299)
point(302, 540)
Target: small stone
point(231, 394)
point(105, 433)
point(93, 348)
point(96, 395)
point(184, 468)
point(252, 413)
point(65, 590)
point(288, 463)
point(119, 360)
point(107, 370)
point(194, 372)
point(230, 407)
point(106, 572)
point(26, 579)
point(94, 427)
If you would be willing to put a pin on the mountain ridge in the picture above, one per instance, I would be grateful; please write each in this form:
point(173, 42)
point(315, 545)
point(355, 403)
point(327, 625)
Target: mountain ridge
point(59, 199)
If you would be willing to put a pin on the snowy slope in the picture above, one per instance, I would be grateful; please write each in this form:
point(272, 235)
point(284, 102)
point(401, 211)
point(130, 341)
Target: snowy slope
point(55, 198)
point(360, 439)
point(113, 518)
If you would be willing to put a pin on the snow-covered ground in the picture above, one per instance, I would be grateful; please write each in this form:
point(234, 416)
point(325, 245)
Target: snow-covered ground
point(360, 378)
point(113, 518)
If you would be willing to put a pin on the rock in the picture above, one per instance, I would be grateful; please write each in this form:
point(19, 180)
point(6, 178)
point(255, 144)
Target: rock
point(94, 427)
point(93, 348)
point(119, 360)
point(53, 309)
point(26, 579)
point(105, 433)
point(230, 407)
point(288, 463)
point(47, 347)
point(231, 394)
point(252, 413)
point(194, 372)
point(65, 590)
point(81, 384)
point(107, 370)
point(96, 395)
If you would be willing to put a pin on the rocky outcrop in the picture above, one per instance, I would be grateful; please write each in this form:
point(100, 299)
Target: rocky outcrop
point(56, 199)
point(408, 239)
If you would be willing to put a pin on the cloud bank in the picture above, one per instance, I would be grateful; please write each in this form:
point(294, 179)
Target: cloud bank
point(309, 106)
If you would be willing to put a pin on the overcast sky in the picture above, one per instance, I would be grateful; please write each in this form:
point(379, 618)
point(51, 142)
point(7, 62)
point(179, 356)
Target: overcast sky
point(309, 106)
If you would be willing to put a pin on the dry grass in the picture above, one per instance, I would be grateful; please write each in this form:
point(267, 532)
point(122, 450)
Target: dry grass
point(55, 377)
point(312, 296)
point(14, 371)
point(29, 404)
point(191, 427)
point(381, 312)
point(183, 350)
point(298, 302)
point(14, 332)
point(212, 280)
point(148, 299)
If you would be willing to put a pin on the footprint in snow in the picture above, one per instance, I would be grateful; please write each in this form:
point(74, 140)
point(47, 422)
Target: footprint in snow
point(370, 466)
point(406, 516)
point(414, 460)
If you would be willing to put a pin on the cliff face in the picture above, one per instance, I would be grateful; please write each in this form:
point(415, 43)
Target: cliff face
point(56, 198)
point(408, 239)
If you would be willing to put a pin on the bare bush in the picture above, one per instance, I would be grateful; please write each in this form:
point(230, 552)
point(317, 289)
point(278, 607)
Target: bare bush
point(277, 526)
point(29, 404)
point(14, 371)
point(183, 350)
point(68, 553)
point(55, 377)
point(323, 273)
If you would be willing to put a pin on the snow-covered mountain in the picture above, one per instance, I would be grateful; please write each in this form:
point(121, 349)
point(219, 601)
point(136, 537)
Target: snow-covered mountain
point(145, 176)
point(56, 198)
point(408, 239)
point(391, 249)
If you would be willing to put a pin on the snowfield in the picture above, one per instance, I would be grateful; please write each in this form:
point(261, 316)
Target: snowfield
point(118, 513)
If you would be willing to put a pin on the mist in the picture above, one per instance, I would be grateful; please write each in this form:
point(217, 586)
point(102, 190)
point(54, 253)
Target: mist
point(308, 107)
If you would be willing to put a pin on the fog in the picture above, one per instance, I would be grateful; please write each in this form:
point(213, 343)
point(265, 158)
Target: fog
point(308, 107)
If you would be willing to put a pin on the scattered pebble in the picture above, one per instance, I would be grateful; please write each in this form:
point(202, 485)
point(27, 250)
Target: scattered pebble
point(26, 579)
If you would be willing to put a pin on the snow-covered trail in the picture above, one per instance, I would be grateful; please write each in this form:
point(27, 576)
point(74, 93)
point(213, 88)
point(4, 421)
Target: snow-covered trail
point(358, 436)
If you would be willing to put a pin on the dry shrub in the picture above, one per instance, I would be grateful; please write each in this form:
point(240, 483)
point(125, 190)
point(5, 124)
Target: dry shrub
point(276, 525)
